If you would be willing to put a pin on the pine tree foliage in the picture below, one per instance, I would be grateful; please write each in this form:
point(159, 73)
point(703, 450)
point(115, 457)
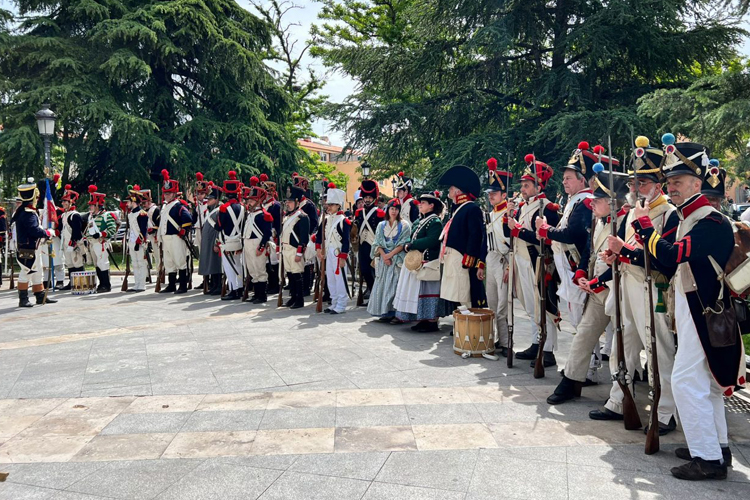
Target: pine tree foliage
point(143, 85)
point(458, 81)
point(713, 111)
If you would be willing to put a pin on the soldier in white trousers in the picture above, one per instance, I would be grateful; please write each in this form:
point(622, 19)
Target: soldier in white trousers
point(337, 231)
point(527, 257)
point(497, 242)
point(596, 316)
point(256, 236)
point(635, 314)
point(136, 239)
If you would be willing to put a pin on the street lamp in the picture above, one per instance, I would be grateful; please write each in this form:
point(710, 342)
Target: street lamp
point(365, 169)
point(45, 121)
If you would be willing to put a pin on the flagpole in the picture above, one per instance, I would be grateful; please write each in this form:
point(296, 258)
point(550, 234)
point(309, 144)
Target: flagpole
point(47, 202)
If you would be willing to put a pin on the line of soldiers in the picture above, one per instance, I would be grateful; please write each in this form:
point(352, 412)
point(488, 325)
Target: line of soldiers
point(688, 244)
point(558, 261)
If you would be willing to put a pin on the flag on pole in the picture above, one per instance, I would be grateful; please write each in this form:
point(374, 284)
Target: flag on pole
point(49, 215)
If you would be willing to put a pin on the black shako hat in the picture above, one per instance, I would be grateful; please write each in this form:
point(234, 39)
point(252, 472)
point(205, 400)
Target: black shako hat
point(619, 182)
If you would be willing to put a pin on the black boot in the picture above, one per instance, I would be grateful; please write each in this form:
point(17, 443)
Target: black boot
point(233, 295)
point(604, 414)
point(529, 353)
point(104, 285)
point(40, 300)
point(566, 390)
point(292, 293)
point(548, 359)
point(171, 287)
point(23, 299)
point(69, 286)
point(215, 283)
point(260, 293)
point(299, 298)
point(183, 280)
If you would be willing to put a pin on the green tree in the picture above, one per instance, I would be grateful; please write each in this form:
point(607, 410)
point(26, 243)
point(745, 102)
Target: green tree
point(714, 111)
point(143, 85)
point(460, 81)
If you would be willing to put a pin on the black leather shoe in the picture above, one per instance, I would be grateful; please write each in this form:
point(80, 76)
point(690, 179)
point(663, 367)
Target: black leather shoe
point(698, 470)
point(604, 414)
point(684, 454)
point(548, 358)
point(418, 326)
point(431, 326)
point(664, 429)
point(529, 353)
point(502, 351)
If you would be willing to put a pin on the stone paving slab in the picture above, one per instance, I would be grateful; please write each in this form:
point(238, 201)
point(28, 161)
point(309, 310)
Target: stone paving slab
point(179, 397)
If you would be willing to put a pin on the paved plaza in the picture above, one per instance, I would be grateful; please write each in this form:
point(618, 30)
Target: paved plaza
point(140, 396)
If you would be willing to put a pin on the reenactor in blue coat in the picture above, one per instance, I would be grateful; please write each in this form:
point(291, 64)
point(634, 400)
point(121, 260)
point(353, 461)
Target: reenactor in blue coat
point(174, 223)
point(295, 235)
point(307, 206)
point(707, 363)
point(570, 237)
point(462, 241)
point(29, 236)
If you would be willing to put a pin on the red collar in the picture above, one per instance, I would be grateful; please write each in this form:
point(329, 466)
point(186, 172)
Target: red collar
point(340, 212)
point(585, 190)
point(694, 203)
point(407, 197)
point(540, 196)
point(500, 206)
point(463, 198)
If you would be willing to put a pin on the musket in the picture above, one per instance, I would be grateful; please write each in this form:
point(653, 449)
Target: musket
point(126, 255)
point(629, 410)
point(160, 274)
point(652, 437)
point(322, 281)
point(280, 299)
point(511, 278)
point(542, 270)
point(361, 292)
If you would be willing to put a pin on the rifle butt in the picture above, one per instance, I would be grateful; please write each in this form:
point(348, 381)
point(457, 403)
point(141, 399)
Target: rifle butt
point(205, 285)
point(539, 369)
point(360, 292)
point(223, 286)
point(157, 288)
point(124, 287)
point(630, 411)
point(510, 347)
point(246, 289)
point(652, 439)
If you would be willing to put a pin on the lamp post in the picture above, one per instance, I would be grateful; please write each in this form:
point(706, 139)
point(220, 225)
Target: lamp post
point(366, 169)
point(45, 121)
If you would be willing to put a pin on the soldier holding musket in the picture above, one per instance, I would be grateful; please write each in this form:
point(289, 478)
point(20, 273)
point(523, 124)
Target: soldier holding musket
point(647, 179)
point(175, 222)
point(527, 257)
point(72, 235)
point(231, 219)
point(497, 242)
point(595, 317)
point(256, 235)
point(29, 236)
point(295, 234)
point(706, 366)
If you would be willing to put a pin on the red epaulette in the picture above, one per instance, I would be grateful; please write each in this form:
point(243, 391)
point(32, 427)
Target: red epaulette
point(587, 203)
point(266, 216)
point(184, 202)
point(415, 202)
point(553, 206)
point(357, 212)
point(380, 212)
point(347, 221)
point(521, 204)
